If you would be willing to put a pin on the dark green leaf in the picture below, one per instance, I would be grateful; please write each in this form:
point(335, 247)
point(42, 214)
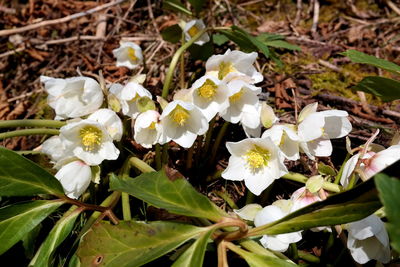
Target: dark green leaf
point(176, 5)
point(57, 235)
point(341, 208)
point(172, 34)
point(389, 189)
point(176, 196)
point(257, 43)
point(194, 255)
point(219, 39)
point(202, 52)
point(197, 4)
point(267, 37)
point(132, 243)
point(282, 44)
point(360, 57)
point(240, 40)
point(19, 219)
point(21, 177)
point(28, 241)
point(385, 88)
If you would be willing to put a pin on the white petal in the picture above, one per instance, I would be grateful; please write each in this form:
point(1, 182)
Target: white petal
point(236, 169)
point(348, 169)
point(248, 212)
point(75, 178)
point(110, 120)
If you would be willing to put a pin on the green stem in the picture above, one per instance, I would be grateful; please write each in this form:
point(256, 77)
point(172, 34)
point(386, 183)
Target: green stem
point(208, 136)
point(25, 132)
point(182, 66)
point(174, 62)
point(28, 152)
point(126, 207)
point(189, 158)
point(303, 179)
point(164, 156)
point(141, 165)
point(294, 251)
point(158, 157)
point(339, 175)
point(250, 197)
point(308, 257)
point(227, 199)
point(31, 123)
point(220, 136)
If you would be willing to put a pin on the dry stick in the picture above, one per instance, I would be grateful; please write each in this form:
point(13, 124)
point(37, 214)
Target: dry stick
point(60, 20)
point(298, 12)
point(151, 15)
point(315, 17)
point(393, 7)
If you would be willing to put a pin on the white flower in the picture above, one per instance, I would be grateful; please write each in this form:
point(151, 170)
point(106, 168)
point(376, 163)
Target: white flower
point(244, 106)
point(182, 122)
point(192, 28)
point(147, 128)
point(257, 161)
point(110, 120)
point(89, 141)
point(234, 63)
point(75, 178)
point(55, 149)
point(371, 163)
point(128, 55)
point(128, 96)
point(72, 97)
point(368, 240)
point(210, 95)
point(279, 242)
point(286, 138)
point(303, 197)
point(249, 211)
point(268, 117)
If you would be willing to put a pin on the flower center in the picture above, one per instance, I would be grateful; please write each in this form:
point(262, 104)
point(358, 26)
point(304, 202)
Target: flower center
point(131, 54)
point(179, 115)
point(193, 31)
point(224, 69)
point(235, 97)
point(208, 89)
point(91, 137)
point(152, 126)
point(257, 157)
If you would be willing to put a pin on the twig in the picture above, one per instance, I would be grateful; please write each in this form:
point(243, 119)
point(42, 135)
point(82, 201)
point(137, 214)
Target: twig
point(298, 12)
point(315, 17)
point(60, 20)
point(393, 7)
point(12, 52)
point(73, 38)
point(151, 15)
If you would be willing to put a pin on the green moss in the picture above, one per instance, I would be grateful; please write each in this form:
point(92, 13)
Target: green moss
point(44, 111)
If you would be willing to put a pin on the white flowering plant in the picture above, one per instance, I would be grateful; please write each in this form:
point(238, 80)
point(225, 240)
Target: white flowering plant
point(118, 152)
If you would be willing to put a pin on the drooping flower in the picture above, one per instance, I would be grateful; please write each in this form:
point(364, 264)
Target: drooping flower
point(192, 28)
point(368, 240)
point(89, 141)
point(244, 106)
point(233, 64)
point(285, 137)
point(72, 97)
point(75, 178)
point(182, 122)
point(147, 128)
point(210, 95)
point(268, 117)
point(279, 242)
point(303, 197)
point(128, 55)
point(257, 161)
point(129, 95)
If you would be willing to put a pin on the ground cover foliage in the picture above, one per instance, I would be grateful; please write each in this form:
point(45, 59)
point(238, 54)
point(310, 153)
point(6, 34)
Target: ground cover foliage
point(199, 133)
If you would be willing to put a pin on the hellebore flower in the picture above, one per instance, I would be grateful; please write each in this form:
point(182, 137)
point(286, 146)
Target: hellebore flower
point(257, 161)
point(110, 120)
point(182, 122)
point(128, 55)
point(72, 97)
point(75, 178)
point(192, 28)
point(210, 95)
point(285, 137)
point(368, 240)
point(147, 128)
point(234, 63)
point(279, 242)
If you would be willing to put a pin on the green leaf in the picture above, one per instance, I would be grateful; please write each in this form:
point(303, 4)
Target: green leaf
point(19, 219)
point(244, 44)
point(194, 255)
point(132, 243)
point(326, 169)
point(389, 188)
point(56, 236)
point(176, 5)
point(21, 177)
point(385, 88)
point(257, 43)
point(172, 34)
point(176, 196)
point(202, 52)
point(267, 37)
point(349, 206)
point(282, 44)
point(219, 39)
point(28, 241)
point(360, 57)
point(197, 4)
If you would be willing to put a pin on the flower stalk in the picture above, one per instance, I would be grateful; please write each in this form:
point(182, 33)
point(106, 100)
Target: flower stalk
point(25, 132)
point(31, 123)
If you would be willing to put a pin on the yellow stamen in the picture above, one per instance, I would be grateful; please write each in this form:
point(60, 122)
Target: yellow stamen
point(152, 126)
point(257, 157)
point(91, 137)
point(235, 97)
point(179, 115)
point(224, 69)
point(131, 54)
point(193, 31)
point(208, 89)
